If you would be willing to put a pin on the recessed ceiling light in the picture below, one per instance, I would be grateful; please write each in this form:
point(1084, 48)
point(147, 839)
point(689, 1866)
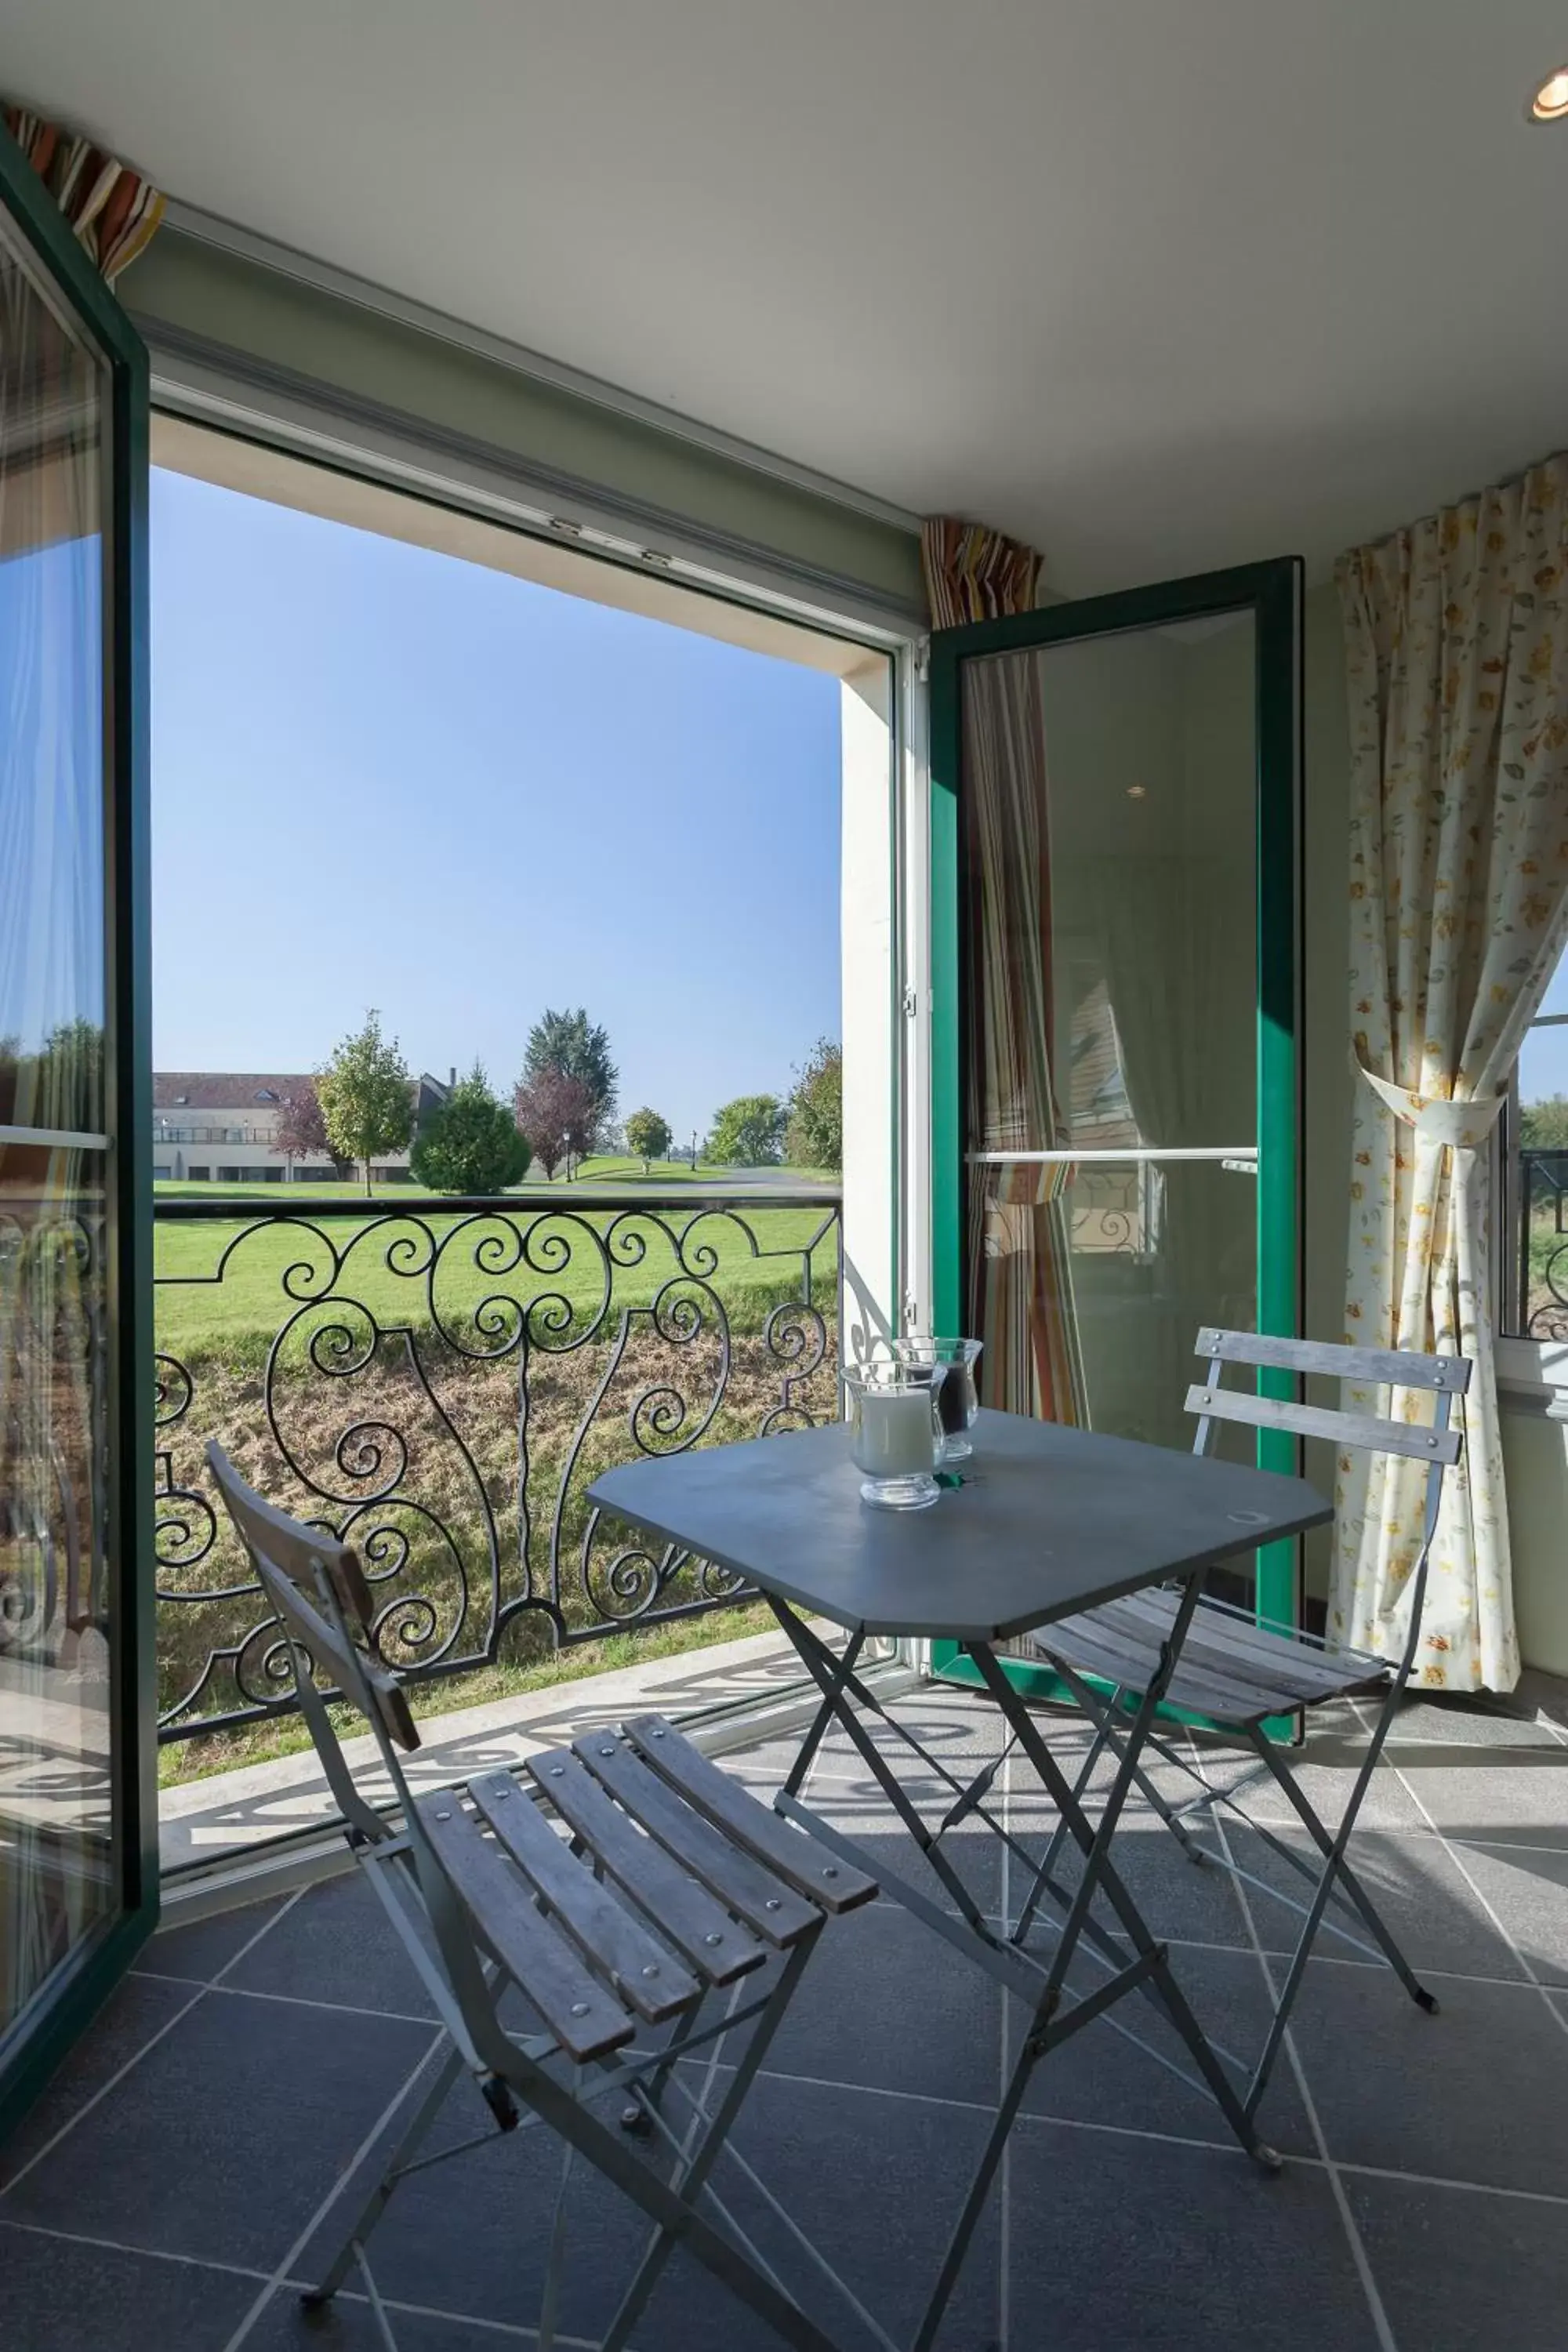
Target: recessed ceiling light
point(1137, 791)
point(1550, 103)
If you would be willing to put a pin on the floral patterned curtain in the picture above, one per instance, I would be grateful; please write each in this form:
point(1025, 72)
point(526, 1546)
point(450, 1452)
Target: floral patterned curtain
point(1457, 635)
point(113, 212)
point(1018, 1251)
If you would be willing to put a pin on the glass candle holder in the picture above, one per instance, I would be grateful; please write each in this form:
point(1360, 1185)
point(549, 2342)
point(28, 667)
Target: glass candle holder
point(894, 1433)
point(958, 1399)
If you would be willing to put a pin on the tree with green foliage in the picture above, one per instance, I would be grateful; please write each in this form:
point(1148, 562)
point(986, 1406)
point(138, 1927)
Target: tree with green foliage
point(366, 1094)
point(813, 1137)
point(578, 1048)
point(59, 1084)
point(648, 1136)
point(747, 1132)
point(1543, 1125)
point(471, 1143)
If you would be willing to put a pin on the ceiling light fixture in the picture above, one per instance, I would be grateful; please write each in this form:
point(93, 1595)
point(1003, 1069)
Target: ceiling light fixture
point(1549, 102)
point(1137, 791)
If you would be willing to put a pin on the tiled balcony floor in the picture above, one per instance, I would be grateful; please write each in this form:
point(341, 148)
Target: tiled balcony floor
point(172, 2187)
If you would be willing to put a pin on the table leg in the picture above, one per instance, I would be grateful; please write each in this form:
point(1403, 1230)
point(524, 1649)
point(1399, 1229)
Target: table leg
point(846, 1686)
point(1100, 1875)
point(844, 1673)
point(835, 1679)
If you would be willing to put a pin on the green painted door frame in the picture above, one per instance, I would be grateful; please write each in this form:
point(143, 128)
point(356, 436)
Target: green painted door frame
point(1271, 592)
point(40, 2037)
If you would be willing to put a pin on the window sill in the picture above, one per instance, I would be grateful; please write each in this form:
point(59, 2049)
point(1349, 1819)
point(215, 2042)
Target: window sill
point(1532, 1375)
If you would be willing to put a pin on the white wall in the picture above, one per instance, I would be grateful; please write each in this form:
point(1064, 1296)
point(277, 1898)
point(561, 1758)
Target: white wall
point(869, 965)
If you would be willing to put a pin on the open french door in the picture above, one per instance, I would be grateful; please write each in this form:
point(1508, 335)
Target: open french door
point(1116, 1007)
point(77, 1783)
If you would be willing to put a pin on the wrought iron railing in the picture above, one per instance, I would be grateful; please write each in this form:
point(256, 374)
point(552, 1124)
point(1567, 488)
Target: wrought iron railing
point(1543, 1244)
point(439, 1380)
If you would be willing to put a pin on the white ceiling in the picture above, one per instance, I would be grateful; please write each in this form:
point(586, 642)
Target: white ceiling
point(1157, 284)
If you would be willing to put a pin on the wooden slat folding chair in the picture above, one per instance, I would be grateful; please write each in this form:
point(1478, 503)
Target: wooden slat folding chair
point(625, 1887)
point(1239, 1672)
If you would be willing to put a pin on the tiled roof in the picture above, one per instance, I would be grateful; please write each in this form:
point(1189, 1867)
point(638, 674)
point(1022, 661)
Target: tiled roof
point(224, 1089)
point(239, 1089)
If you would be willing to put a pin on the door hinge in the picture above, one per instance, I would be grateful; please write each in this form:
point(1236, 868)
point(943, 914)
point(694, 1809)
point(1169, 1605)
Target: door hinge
point(922, 659)
point(911, 1003)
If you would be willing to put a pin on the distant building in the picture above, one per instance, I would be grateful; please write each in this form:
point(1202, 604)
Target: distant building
point(219, 1126)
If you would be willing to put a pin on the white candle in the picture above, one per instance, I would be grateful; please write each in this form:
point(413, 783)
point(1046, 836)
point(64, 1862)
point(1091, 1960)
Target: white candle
point(896, 1437)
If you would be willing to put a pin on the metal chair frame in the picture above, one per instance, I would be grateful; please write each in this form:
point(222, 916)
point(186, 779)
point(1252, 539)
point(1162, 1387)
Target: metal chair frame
point(421, 1861)
point(1244, 1646)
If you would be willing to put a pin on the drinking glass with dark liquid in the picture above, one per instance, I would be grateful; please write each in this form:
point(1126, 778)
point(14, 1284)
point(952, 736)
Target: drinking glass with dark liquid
point(958, 1399)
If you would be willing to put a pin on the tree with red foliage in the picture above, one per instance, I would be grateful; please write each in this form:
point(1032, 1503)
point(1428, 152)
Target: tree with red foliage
point(300, 1132)
point(556, 1114)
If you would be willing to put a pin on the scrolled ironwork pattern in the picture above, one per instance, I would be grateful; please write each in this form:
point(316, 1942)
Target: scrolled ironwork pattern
point(439, 1381)
point(1116, 1212)
point(1543, 1244)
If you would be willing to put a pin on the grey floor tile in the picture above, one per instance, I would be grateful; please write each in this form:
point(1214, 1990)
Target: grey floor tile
point(61, 2296)
point(138, 2009)
point(874, 2182)
point(473, 2236)
point(1100, 2078)
point(336, 1944)
point(1179, 1899)
point(1420, 1894)
point(206, 1946)
point(1462, 1721)
point(1507, 1794)
point(889, 2005)
point(1478, 2092)
point(1122, 2245)
point(861, 1811)
point(1325, 1774)
point(1527, 1887)
point(876, 2185)
point(1459, 2271)
point(224, 2139)
point(348, 2325)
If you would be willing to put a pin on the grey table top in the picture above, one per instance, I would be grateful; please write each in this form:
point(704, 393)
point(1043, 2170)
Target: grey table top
point(1049, 1520)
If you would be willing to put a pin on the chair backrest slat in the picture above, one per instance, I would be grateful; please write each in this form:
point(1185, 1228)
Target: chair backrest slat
point(288, 1556)
point(1381, 1366)
point(1417, 1439)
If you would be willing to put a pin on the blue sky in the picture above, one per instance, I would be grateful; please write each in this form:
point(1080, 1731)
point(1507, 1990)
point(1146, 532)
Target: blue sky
point(384, 776)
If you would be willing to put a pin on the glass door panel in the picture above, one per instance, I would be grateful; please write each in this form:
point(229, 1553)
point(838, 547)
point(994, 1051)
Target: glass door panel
point(1115, 790)
point(74, 1888)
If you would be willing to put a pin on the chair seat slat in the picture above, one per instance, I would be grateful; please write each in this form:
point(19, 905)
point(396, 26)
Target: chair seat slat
point(789, 1853)
point(1249, 1651)
point(702, 1930)
point(1417, 1439)
point(1117, 1657)
point(772, 1908)
point(609, 1936)
point(585, 2019)
point(1383, 1367)
point(1244, 1671)
point(1209, 1684)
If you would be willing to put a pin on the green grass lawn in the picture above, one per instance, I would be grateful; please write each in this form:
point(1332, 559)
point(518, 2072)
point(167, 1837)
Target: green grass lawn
point(601, 1169)
point(228, 1286)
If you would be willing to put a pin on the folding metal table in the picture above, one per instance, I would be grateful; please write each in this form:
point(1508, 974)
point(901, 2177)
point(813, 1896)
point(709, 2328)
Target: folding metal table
point(1048, 1521)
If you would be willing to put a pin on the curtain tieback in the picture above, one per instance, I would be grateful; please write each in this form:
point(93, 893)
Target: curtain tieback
point(1463, 1126)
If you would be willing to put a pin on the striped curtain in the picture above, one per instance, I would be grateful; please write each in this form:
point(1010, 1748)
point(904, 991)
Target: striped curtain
point(1018, 1244)
point(112, 211)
